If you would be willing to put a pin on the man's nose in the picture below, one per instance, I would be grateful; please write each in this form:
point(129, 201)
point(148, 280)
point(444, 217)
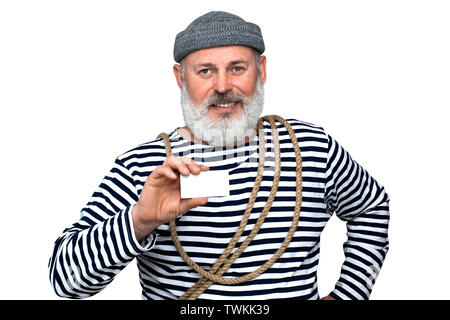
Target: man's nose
point(223, 82)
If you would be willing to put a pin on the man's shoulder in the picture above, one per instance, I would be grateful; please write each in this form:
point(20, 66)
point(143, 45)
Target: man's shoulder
point(304, 127)
point(154, 149)
point(304, 124)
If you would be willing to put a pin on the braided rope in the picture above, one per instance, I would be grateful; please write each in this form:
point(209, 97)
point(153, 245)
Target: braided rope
point(216, 271)
point(205, 283)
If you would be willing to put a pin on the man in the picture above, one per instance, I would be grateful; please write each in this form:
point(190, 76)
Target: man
point(221, 73)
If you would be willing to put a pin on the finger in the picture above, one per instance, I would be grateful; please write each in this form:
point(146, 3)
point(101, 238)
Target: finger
point(188, 204)
point(194, 168)
point(177, 164)
point(165, 172)
point(185, 165)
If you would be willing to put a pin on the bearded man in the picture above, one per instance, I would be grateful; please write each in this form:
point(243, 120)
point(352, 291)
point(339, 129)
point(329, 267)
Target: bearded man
point(182, 244)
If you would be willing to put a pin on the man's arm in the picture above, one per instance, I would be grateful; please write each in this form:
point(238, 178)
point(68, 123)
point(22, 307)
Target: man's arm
point(117, 225)
point(362, 202)
point(91, 252)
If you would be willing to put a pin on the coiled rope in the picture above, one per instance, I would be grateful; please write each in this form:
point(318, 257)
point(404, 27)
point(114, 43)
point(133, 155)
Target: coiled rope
point(224, 262)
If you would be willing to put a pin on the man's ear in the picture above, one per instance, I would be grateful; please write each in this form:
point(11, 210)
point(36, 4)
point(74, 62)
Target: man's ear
point(178, 74)
point(262, 67)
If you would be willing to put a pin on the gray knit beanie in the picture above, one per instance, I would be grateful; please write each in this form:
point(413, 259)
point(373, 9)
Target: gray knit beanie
point(217, 29)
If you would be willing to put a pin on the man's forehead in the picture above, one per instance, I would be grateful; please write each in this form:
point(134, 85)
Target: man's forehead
point(221, 55)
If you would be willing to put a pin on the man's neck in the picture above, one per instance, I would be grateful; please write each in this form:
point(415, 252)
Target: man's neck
point(188, 135)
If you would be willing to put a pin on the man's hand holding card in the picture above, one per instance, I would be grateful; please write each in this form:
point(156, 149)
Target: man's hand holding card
point(174, 188)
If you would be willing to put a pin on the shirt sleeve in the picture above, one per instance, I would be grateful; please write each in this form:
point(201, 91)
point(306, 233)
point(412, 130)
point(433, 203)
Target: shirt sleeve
point(362, 202)
point(92, 251)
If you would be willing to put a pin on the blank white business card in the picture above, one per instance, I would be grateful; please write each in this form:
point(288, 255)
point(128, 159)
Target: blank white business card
point(205, 184)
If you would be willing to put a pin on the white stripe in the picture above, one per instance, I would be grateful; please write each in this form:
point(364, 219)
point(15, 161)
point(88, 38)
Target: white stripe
point(300, 260)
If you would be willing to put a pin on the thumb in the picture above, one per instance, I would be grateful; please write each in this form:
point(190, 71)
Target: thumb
point(188, 204)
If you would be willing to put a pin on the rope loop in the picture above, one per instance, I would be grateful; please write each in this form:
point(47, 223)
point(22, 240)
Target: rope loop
point(224, 262)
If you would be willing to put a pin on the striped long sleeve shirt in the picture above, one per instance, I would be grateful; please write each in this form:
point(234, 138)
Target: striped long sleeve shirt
point(92, 251)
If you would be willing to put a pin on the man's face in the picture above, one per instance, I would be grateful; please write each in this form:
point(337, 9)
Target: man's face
point(221, 90)
point(221, 70)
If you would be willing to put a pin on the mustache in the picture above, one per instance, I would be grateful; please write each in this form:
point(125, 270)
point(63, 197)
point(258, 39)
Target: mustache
point(222, 98)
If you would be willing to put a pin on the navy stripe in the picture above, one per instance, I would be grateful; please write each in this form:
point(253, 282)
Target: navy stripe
point(333, 183)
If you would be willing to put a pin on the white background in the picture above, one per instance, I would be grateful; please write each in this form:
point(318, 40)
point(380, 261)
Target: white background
point(83, 81)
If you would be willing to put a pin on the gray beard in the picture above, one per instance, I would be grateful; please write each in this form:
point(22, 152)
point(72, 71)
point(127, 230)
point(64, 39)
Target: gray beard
point(227, 129)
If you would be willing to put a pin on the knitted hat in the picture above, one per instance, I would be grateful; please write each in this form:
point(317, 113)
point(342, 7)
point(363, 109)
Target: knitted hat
point(217, 29)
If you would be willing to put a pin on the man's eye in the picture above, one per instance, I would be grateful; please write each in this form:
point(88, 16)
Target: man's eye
point(204, 71)
point(237, 69)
